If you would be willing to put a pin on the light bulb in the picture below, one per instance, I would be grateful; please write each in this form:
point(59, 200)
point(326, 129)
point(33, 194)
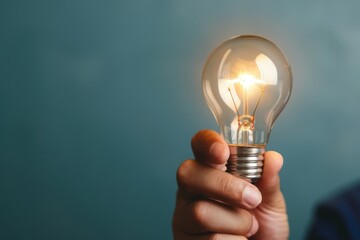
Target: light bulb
point(246, 82)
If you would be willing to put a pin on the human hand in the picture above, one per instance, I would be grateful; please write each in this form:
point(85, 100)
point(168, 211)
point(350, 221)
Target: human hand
point(213, 204)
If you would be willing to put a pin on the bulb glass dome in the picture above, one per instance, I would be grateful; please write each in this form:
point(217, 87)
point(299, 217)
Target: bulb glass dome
point(247, 82)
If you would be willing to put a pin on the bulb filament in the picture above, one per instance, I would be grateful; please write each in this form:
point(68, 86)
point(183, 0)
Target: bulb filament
point(246, 122)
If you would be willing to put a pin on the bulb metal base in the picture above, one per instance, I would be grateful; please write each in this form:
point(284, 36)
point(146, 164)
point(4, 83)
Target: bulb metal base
point(246, 162)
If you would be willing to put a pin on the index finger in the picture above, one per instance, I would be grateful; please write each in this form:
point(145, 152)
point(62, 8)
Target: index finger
point(198, 180)
point(210, 148)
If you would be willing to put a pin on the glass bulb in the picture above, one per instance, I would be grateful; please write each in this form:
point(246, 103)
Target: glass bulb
point(246, 82)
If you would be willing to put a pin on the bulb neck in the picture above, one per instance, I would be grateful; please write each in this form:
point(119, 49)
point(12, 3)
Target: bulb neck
point(246, 162)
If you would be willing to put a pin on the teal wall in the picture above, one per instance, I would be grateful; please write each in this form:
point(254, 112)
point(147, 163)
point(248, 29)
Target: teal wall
point(99, 100)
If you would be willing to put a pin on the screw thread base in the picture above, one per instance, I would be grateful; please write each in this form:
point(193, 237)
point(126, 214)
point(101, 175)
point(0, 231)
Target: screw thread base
point(246, 162)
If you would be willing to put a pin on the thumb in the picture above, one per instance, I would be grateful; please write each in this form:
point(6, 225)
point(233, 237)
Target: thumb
point(269, 184)
point(272, 209)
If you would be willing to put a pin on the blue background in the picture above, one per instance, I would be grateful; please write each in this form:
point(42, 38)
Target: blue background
point(99, 100)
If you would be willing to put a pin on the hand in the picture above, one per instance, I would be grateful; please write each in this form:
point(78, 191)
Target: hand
point(212, 204)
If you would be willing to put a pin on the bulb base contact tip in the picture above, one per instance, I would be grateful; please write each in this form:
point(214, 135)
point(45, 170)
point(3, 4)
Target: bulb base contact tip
point(246, 162)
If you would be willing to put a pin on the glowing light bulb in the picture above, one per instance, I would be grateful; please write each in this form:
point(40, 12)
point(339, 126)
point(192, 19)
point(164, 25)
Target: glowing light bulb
point(247, 82)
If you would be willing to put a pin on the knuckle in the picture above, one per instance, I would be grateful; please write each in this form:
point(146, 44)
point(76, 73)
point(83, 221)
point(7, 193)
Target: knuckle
point(226, 184)
point(201, 137)
point(229, 187)
point(200, 213)
point(182, 174)
point(195, 139)
point(246, 220)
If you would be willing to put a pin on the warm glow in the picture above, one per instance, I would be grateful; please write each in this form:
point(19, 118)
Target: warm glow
point(246, 80)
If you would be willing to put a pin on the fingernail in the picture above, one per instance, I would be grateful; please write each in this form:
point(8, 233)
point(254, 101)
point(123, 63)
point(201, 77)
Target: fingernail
point(218, 152)
point(251, 196)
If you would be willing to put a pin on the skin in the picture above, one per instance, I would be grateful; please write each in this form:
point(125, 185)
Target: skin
point(212, 204)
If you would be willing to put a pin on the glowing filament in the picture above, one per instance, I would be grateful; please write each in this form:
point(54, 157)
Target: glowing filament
point(246, 80)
